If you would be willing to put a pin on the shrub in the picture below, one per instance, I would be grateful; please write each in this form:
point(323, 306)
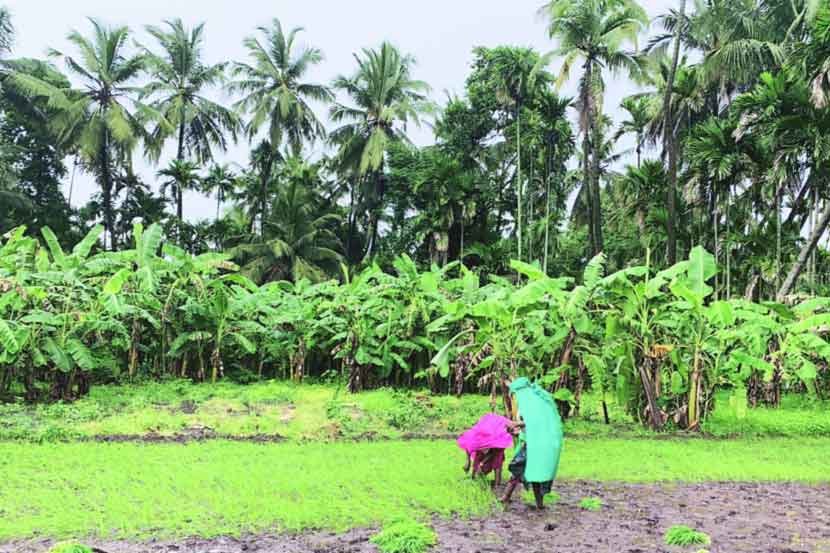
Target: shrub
point(405, 536)
point(683, 535)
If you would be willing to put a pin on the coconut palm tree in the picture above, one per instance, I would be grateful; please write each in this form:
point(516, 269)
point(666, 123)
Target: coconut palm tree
point(95, 117)
point(738, 39)
point(385, 99)
point(181, 176)
point(275, 93)
point(180, 77)
point(595, 32)
point(6, 30)
point(277, 97)
point(220, 180)
point(639, 116)
point(298, 240)
point(640, 187)
point(669, 144)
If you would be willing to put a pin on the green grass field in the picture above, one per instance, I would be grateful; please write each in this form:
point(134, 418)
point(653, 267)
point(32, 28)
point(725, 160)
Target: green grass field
point(219, 487)
point(324, 412)
point(53, 485)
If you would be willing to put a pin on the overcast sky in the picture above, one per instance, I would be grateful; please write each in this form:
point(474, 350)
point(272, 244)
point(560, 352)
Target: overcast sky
point(439, 33)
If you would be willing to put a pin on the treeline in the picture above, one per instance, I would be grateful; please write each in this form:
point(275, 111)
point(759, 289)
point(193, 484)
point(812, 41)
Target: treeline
point(661, 341)
point(729, 129)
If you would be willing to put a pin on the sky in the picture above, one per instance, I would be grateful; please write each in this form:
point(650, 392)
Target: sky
point(440, 34)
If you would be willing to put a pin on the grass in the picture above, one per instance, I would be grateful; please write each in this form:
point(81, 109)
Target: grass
point(296, 412)
point(317, 412)
point(550, 499)
point(684, 536)
point(70, 547)
point(405, 536)
point(590, 504)
point(130, 490)
point(797, 416)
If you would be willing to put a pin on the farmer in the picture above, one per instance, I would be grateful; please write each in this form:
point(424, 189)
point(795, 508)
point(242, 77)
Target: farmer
point(536, 457)
point(484, 445)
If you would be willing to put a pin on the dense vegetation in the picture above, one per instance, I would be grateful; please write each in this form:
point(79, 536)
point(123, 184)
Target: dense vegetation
point(454, 266)
point(655, 340)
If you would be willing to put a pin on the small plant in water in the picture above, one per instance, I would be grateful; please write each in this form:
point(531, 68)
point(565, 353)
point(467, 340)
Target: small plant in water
point(405, 536)
point(683, 535)
point(591, 504)
point(70, 547)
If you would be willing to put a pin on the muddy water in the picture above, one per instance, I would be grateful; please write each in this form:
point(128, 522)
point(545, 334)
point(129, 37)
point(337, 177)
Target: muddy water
point(751, 518)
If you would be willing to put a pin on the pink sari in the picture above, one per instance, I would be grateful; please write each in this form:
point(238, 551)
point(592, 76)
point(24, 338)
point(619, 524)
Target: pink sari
point(490, 432)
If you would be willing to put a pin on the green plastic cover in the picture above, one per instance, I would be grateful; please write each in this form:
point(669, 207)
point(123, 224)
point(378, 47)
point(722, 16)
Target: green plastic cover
point(543, 430)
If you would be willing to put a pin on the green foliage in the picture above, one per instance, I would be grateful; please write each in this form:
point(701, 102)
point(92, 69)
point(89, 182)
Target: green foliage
point(71, 318)
point(590, 504)
point(405, 536)
point(684, 536)
point(70, 547)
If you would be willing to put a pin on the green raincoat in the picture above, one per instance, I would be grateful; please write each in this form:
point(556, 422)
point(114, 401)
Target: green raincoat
point(543, 430)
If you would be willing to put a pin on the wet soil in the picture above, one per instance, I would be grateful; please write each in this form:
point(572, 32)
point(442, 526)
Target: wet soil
point(204, 433)
point(751, 518)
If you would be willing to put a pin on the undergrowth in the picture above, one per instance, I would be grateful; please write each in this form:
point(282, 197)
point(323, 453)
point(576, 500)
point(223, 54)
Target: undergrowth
point(324, 412)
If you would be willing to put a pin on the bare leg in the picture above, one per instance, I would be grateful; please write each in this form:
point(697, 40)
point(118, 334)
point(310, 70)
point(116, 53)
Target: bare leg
point(508, 491)
point(467, 464)
point(537, 495)
point(497, 480)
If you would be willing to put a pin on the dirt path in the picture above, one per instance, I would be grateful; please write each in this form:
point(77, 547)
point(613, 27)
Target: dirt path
point(751, 518)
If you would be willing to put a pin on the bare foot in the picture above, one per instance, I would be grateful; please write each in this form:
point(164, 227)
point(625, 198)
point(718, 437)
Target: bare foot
point(505, 502)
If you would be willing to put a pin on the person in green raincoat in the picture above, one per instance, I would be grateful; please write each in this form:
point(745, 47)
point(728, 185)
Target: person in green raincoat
point(536, 458)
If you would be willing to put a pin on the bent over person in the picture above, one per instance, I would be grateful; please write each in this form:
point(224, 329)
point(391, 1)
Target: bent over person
point(536, 458)
point(484, 445)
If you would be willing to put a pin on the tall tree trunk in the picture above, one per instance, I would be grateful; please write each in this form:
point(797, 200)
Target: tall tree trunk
point(670, 147)
point(519, 178)
point(596, 205)
point(106, 189)
point(585, 99)
point(805, 252)
point(777, 238)
point(351, 226)
point(456, 232)
point(547, 210)
point(530, 208)
point(728, 243)
point(262, 198)
point(180, 158)
point(716, 224)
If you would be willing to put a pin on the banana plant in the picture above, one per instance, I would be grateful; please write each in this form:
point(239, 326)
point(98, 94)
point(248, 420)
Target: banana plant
point(514, 330)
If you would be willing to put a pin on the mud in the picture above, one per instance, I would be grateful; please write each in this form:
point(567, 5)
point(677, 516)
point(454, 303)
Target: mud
point(751, 518)
point(193, 434)
point(204, 434)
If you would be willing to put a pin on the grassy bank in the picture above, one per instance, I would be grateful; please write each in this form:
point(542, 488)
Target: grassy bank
point(315, 412)
point(219, 487)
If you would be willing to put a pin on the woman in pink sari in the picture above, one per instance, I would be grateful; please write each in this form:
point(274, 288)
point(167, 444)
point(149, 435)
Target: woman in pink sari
point(485, 443)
